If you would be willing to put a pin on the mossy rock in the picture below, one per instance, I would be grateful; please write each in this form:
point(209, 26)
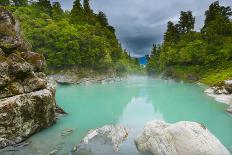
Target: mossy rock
point(1, 52)
point(9, 47)
point(37, 60)
point(15, 88)
point(15, 57)
point(5, 30)
point(3, 58)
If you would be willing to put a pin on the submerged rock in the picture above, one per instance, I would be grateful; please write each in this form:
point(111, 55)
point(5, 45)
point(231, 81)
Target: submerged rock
point(27, 102)
point(182, 138)
point(52, 152)
point(61, 111)
point(66, 132)
point(103, 140)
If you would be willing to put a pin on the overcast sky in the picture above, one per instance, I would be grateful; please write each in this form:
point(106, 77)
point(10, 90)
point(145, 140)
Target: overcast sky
point(140, 23)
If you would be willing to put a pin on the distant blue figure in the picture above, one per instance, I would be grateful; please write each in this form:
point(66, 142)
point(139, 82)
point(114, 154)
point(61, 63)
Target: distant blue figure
point(143, 61)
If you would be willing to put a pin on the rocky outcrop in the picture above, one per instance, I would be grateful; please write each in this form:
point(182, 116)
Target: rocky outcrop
point(228, 86)
point(103, 140)
point(182, 138)
point(222, 93)
point(27, 102)
point(224, 88)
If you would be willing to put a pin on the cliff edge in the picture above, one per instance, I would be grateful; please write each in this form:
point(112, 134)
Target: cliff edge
point(27, 102)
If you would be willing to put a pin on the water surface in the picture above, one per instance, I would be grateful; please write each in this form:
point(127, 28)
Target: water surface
point(131, 103)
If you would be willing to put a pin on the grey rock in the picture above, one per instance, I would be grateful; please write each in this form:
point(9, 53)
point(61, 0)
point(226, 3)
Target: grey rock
point(18, 67)
point(26, 114)
point(228, 86)
point(103, 140)
point(33, 83)
point(36, 59)
point(182, 138)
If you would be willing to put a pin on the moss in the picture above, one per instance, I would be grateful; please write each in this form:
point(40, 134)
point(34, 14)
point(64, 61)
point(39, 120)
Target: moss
point(5, 30)
point(8, 48)
point(2, 58)
point(15, 88)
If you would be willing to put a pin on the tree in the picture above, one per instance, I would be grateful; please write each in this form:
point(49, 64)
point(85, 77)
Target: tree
point(70, 39)
point(217, 24)
point(102, 18)
point(172, 33)
point(5, 2)
point(77, 12)
point(186, 22)
point(216, 10)
point(57, 11)
point(88, 12)
point(20, 2)
point(45, 5)
point(86, 6)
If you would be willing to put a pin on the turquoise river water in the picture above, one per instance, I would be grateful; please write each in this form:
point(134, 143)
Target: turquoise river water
point(131, 103)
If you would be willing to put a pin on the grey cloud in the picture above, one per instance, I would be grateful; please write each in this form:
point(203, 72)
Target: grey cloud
point(140, 23)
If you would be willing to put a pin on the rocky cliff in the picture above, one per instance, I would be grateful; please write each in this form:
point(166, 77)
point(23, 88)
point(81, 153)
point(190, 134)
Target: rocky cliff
point(27, 102)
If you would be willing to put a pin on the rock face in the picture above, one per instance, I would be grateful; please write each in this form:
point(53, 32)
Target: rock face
point(27, 102)
point(182, 138)
point(103, 140)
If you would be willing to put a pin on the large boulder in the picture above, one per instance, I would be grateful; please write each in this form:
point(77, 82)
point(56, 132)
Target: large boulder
point(182, 138)
point(25, 114)
point(103, 141)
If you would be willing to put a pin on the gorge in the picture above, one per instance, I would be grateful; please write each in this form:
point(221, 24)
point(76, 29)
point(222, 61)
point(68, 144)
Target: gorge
point(111, 104)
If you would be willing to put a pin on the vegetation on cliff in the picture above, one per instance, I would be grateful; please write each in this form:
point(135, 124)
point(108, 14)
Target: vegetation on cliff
point(192, 55)
point(78, 38)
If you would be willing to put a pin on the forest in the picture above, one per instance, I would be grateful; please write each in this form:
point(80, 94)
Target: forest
point(78, 38)
point(191, 55)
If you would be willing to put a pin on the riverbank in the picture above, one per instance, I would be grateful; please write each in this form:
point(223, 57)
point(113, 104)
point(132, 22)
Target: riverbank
point(209, 75)
point(77, 75)
point(218, 79)
point(222, 94)
point(66, 79)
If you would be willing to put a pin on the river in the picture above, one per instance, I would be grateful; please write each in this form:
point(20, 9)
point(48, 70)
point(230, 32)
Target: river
point(131, 103)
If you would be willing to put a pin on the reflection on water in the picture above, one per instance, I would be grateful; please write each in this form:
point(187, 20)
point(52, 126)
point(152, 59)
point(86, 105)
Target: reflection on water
point(131, 103)
point(139, 110)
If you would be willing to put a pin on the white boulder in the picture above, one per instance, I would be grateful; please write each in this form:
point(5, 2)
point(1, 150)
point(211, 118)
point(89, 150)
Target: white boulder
point(182, 138)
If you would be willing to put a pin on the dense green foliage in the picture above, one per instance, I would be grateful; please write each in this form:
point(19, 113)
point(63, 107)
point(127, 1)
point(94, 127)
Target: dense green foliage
point(199, 53)
point(78, 38)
